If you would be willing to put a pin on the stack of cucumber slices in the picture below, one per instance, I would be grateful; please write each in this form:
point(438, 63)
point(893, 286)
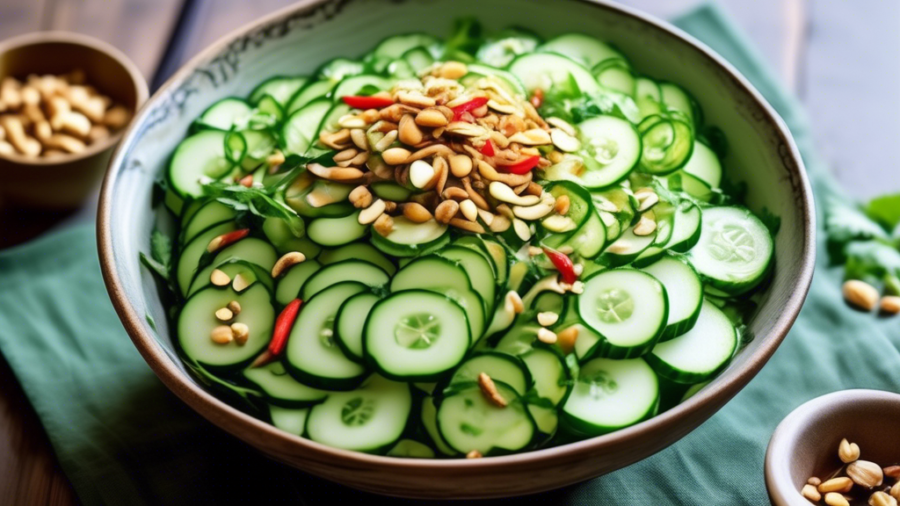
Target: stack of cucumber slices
point(485, 331)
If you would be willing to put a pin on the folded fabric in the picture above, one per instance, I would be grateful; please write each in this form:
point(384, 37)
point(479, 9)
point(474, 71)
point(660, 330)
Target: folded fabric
point(123, 439)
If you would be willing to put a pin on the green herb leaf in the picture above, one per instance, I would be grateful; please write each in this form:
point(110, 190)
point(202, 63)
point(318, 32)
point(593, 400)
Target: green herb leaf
point(368, 90)
point(466, 37)
point(885, 210)
point(771, 220)
point(161, 248)
point(845, 223)
point(257, 201)
point(871, 261)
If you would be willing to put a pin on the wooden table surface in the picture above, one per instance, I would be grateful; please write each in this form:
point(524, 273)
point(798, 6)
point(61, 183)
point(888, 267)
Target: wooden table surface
point(839, 57)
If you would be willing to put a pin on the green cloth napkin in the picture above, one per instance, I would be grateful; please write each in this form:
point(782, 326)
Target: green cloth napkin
point(123, 439)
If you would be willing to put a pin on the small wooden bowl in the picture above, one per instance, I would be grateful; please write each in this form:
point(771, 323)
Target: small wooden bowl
point(805, 444)
point(65, 181)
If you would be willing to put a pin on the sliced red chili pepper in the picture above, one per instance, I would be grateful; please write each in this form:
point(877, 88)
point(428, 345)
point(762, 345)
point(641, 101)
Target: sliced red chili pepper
point(469, 106)
point(563, 264)
point(227, 239)
point(521, 167)
point(367, 102)
point(283, 325)
point(488, 149)
point(537, 98)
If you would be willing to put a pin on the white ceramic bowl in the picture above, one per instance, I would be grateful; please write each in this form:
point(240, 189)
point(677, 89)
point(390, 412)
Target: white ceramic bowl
point(296, 41)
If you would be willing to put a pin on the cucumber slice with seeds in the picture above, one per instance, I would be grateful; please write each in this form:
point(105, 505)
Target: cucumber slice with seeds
point(627, 307)
point(368, 419)
point(610, 395)
point(734, 251)
point(416, 335)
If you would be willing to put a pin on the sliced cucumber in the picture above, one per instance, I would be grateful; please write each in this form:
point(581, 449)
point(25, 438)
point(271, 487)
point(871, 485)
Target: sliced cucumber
point(351, 86)
point(505, 80)
point(313, 90)
point(251, 250)
point(319, 198)
point(312, 356)
point(704, 164)
point(339, 69)
point(735, 249)
point(389, 190)
point(212, 213)
point(281, 389)
point(279, 233)
point(350, 322)
point(330, 123)
point(368, 419)
point(612, 148)
point(685, 228)
point(548, 368)
point(292, 421)
point(627, 248)
point(290, 284)
point(358, 251)
point(201, 155)
point(615, 75)
point(519, 339)
point(492, 250)
point(499, 366)
point(676, 98)
point(429, 421)
point(546, 71)
point(416, 335)
point(347, 270)
point(479, 270)
point(468, 421)
point(394, 47)
point(579, 210)
point(336, 231)
point(628, 308)
point(198, 319)
point(582, 48)
point(232, 267)
point(191, 253)
point(225, 113)
point(699, 354)
point(667, 143)
point(610, 395)
point(300, 128)
point(411, 449)
point(281, 88)
point(411, 239)
point(682, 282)
point(447, 278)
point(499, 50)
point(418, 59)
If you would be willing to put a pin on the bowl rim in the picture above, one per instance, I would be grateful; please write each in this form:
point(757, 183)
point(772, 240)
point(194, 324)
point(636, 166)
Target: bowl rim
point(779, 483)
point(77, 39)
point(217, 411)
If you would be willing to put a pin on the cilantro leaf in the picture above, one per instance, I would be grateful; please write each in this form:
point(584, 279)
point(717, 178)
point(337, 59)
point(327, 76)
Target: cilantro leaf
point(885, 210)
point(161, 248)
point(871, 261)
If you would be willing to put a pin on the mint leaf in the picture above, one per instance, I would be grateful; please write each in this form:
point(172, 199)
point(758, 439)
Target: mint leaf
point(885, 210)
point(161, 249)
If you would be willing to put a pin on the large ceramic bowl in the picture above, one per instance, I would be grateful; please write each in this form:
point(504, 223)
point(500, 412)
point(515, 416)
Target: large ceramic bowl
point(296, 41)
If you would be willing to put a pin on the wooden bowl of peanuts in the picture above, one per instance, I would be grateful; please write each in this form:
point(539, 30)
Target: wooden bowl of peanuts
point(64, 102)
point(839, 449)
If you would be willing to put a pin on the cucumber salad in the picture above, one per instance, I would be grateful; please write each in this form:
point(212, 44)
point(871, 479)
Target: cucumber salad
point(463, 248)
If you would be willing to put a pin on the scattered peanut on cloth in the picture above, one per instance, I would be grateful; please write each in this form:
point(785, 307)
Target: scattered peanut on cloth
point(47, 116)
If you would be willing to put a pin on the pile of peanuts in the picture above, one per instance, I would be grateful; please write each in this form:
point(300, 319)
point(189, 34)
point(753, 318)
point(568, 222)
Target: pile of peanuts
point(50, 115)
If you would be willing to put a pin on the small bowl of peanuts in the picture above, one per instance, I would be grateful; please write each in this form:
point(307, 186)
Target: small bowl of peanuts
point(841, 449)
point(65, 100)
